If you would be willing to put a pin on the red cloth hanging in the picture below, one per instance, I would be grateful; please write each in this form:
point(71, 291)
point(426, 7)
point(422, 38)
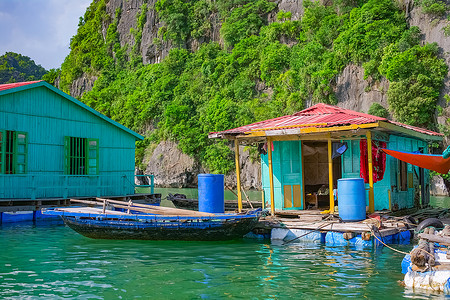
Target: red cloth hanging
point(378, 161)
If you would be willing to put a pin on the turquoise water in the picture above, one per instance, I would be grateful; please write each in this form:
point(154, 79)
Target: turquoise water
point(440, 201)
point(54, 262)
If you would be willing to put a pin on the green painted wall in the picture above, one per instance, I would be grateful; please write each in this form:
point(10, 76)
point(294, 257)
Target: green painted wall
point(48, 117)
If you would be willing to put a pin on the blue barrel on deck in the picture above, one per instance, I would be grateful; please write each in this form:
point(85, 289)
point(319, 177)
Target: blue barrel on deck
point(211, 193)
point(351, 199)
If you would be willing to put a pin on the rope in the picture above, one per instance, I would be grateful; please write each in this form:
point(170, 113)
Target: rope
point(402, 252)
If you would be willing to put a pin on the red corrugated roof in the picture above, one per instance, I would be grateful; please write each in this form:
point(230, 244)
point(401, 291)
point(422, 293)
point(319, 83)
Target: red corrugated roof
point(319, 115)
point(8, 86)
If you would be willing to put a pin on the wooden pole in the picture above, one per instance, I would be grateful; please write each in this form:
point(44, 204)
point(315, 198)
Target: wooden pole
point(370, 165)
point(238, 174)
point(272, 192)
point(330, 175)
point(248, 200)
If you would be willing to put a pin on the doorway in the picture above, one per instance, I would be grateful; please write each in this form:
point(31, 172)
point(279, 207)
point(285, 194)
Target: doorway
point(316, 175)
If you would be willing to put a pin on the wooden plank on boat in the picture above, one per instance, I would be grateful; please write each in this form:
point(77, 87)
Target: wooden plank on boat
point(443, 240)
point(90, 210)
point(151, 209)
point(161, 209)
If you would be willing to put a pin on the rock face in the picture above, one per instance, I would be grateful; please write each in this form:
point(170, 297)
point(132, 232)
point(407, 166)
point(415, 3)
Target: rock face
point(173, 168)
point(438, 187)
point(82, 84)
point(250, 172)
point(355, 93)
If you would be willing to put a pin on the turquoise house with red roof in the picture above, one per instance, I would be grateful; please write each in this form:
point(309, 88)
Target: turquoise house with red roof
point(300, 164)
point(54, 146)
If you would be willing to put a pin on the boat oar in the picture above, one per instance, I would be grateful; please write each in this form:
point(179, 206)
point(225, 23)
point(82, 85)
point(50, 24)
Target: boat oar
point(248, 200)
point(168, 210)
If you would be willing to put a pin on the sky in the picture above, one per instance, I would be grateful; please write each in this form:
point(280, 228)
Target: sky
point(40, 29)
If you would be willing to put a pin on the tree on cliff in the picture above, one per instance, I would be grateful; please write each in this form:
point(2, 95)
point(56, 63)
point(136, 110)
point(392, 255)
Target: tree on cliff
point(16, 68)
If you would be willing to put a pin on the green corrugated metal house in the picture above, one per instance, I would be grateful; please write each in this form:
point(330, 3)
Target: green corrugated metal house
point(299, 157)
point(54, 146)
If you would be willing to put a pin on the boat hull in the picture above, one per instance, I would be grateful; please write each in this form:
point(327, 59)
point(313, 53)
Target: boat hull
point(200, 229)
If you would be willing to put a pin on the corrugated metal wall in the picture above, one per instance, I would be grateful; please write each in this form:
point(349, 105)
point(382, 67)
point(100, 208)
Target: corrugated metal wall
point(47, 117)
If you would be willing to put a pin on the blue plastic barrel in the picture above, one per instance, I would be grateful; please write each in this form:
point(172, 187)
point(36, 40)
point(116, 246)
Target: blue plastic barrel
point(210, 193)
point(352, 199)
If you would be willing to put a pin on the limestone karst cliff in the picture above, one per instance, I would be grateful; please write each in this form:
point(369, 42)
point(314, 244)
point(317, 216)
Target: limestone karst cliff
point(174, 70)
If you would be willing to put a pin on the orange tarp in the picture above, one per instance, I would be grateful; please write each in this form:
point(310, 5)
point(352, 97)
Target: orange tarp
point(427, 161)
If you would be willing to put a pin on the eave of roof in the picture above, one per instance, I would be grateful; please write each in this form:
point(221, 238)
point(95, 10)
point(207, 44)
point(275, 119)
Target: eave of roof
point(21, 86)
point(322, 118)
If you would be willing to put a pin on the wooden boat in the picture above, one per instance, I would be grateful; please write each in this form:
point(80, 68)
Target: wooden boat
point(147, 222)
point(180, 201)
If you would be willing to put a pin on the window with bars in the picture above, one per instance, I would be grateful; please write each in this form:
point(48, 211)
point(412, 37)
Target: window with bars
point(81, 156)
point(13, 152)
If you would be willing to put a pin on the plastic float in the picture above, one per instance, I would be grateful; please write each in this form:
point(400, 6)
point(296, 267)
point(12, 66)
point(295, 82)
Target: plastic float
point(427, 266)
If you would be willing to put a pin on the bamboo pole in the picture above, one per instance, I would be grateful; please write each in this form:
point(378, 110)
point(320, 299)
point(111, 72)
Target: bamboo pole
point(330, 175)
point(248, 200)
point(370, 165)
point(168, 211)
point(272, 192)
point(238, 174)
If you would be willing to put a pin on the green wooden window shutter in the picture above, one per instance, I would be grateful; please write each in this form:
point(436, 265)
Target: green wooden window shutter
point(20, 152)
point(67, 155)
point(92, 160)
point(2, 151)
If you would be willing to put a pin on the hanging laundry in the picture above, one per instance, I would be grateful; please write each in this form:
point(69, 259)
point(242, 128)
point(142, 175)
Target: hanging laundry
point(378, 161)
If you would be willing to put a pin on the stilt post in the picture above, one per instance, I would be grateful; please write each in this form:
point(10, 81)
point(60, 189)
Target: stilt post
point(370, 165)
point(330, 175)
point(238, 174)
point(272, 192)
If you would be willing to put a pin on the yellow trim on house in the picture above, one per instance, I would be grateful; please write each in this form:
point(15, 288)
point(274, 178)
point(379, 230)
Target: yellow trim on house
point(309, 130)
point(290, 126)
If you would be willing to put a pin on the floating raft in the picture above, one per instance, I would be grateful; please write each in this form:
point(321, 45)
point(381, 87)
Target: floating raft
point(428, 264)
point(29, 210)
point(317, 228)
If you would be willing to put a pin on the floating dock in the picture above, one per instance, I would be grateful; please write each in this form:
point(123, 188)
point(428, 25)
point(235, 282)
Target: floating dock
point(29, 210)
point(314, 227)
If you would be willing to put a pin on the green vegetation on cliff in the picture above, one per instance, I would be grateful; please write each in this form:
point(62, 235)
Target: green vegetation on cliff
point(17, 68)
point(265, 69)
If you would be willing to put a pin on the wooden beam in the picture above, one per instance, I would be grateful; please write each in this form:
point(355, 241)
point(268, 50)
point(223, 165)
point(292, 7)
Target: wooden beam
point(442, 240)
point(238, 174)
point(272, 191)
point(330, 175)
point(409, 132)
point(370, 166)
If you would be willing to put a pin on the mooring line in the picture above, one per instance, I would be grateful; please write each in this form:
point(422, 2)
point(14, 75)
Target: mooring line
point(393, 249)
